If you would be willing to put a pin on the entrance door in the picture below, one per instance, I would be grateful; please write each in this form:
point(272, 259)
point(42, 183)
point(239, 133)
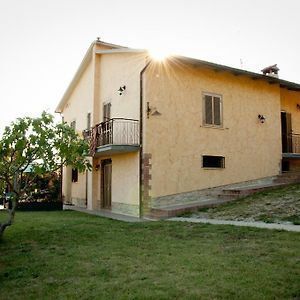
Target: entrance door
point(286, 130)
point(106, 168)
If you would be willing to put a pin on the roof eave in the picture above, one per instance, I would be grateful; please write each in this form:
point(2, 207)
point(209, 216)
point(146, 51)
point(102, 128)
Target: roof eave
point(84, 63)
point(217, 67)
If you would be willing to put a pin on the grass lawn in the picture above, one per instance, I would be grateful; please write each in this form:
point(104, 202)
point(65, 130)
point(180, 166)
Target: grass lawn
point(281, 205)
point(71, 255)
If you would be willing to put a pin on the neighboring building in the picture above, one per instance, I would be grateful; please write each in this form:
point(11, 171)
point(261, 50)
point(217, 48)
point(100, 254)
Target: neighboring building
point(162, 128)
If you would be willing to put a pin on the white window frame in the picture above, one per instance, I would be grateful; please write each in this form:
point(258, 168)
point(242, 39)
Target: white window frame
point(213, 95)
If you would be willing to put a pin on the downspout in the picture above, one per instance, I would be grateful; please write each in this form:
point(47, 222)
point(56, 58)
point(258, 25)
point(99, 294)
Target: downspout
point(141, 139)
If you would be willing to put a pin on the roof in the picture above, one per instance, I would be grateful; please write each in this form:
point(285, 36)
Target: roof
point(181, 59)
point(217, 67)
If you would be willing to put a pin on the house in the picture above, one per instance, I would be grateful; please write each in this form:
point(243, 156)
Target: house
point(158, 128)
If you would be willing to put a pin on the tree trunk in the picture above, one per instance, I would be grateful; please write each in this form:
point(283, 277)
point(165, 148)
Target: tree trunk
point(11, 215)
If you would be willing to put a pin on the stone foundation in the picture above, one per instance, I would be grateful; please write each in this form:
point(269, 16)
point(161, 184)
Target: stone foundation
point(79, 202)
point(125, 209)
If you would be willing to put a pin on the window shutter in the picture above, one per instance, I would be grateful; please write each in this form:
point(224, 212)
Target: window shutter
point(217, 111)
point(88, 121)
point(106, 112)
point(208, 109)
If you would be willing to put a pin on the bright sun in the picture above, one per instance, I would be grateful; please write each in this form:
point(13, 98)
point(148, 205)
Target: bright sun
point(159, 54)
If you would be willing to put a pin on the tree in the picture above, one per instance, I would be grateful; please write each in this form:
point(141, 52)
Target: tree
point(42, 146)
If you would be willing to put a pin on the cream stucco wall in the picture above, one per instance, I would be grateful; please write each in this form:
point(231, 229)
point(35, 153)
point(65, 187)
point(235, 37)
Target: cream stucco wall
point(177, 138)
point(125, 183)
point(78, 106)
point(117, 70)
point(98, 84)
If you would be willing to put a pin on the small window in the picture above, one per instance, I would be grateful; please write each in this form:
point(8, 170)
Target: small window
point(74, 175)
point(212, 110)
point(210, 161)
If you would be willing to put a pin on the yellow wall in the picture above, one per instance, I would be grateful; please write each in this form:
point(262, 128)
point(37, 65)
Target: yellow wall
point(177, 138)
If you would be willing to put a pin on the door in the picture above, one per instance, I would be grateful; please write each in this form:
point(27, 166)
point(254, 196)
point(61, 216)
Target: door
point(106, 168)
point(286, 131)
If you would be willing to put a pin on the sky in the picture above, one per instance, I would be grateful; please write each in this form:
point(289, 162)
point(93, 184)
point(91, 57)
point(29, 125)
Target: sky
point(42, 42)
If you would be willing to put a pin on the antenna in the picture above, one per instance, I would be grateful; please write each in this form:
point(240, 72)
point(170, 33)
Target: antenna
point(241, 63)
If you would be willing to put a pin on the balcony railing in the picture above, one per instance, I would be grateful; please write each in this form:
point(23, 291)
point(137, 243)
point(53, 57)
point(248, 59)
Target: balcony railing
point(291, 143)
point(114, 132)
point(294, 142)
point(118, 131)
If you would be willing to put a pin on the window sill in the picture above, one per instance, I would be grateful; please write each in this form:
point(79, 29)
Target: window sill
point(213, 126)
point(207, 168)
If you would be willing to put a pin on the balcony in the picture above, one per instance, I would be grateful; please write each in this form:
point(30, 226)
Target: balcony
point(291, 146)
point(114, 136)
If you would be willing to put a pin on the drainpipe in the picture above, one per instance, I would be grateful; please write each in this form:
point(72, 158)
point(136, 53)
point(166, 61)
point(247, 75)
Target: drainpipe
point(141, 137)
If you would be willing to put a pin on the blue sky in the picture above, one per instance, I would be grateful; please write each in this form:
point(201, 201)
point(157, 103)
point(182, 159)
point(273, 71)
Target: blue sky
point(42, 42)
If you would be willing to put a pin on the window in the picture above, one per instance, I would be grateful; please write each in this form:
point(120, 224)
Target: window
point(74, 175)
point(88, 121)
point(212, 110)
point(210, 161)
point(106, 112)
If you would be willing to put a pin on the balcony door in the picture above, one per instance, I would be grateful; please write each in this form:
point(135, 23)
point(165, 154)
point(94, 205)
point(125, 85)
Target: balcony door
point(106, 111)
point(106, 170)
point(286, 131)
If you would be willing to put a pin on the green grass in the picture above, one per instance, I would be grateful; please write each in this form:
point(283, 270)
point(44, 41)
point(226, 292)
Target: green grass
point(275, 206)
point(70, 255)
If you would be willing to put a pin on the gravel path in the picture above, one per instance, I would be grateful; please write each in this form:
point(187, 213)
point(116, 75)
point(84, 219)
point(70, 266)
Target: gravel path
point(239, 223)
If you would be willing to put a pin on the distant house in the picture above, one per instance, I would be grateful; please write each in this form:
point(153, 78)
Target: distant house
point(162, 128)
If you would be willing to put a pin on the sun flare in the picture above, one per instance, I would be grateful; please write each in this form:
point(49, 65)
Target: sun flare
point(159, 54)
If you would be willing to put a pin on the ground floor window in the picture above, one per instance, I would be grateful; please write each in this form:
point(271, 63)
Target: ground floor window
point(74, 175)
point(212, 161)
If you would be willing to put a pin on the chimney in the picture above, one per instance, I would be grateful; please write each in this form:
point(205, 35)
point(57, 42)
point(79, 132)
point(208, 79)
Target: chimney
point(271, 71)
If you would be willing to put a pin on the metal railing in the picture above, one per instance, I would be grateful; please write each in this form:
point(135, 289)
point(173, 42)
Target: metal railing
point(291, 143)
point(295, 142)
point(118, 131)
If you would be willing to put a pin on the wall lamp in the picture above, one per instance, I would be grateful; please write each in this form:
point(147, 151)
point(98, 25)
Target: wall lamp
point(97, 167)
point(298, 106)
point(261, 118)
point(121, 90)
